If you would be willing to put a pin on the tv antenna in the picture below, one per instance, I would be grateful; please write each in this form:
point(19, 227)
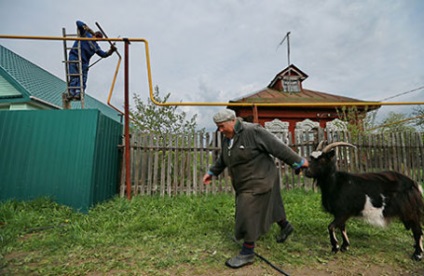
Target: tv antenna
point(287, 36)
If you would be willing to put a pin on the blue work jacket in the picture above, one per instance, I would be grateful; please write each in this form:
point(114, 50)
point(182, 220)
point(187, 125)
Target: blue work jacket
point(88, 48)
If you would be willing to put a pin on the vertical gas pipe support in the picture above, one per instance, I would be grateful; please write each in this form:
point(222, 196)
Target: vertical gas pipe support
point(127, 122)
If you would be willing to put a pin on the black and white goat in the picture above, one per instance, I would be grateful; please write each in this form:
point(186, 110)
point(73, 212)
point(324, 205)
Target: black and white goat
point(377, 197)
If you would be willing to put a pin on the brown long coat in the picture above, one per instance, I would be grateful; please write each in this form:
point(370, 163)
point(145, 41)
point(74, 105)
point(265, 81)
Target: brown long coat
point(254, 177)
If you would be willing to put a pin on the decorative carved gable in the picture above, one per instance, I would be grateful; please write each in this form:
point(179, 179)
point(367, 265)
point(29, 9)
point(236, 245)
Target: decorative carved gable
point(279, 129)
point(307, 125)
point(277, 125)
point(306, 131)
point(336, 124)
point(288, 80)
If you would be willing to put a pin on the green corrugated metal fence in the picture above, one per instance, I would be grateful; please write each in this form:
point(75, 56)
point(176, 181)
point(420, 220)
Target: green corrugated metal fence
point(71, 156)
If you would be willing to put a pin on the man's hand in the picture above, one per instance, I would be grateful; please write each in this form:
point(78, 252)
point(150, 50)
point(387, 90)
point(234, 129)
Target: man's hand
point(111, 50)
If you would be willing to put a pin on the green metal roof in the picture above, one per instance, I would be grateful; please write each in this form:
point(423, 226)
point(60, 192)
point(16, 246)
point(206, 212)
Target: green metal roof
point(7, 89)
point(21, 81)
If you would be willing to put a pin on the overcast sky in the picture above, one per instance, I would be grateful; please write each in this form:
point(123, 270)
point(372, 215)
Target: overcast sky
point(219, 50)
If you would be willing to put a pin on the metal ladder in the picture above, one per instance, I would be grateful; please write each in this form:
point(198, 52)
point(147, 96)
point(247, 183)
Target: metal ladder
point(66, 96)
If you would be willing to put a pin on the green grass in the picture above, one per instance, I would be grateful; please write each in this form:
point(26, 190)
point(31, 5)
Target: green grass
point(182, 235)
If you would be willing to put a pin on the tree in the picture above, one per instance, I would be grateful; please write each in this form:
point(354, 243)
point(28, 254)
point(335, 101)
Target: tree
point(151, 118)
point(358, 122)
point(167, 127)
point(395, 122)
point(418, 112)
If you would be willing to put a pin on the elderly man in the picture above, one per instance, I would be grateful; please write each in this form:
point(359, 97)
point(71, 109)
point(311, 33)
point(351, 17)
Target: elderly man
point(246, 152)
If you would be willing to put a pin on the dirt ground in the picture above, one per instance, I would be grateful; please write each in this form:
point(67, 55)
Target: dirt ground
point(337, 266)
point(260, 268)
point(354, 267)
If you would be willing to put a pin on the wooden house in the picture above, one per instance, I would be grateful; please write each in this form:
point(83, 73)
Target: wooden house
point(287, 87)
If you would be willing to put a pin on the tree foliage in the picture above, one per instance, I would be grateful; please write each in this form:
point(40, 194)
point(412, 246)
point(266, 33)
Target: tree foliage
point(357, 122)
point(151, 118)
point(395, 122)
point(418, 112)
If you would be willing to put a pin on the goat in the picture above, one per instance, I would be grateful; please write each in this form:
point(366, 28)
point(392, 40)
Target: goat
point(377, 197)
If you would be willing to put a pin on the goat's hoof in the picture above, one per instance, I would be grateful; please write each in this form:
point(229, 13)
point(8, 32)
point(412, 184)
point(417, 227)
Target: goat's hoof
point(335, 250)
point(417, 257)
point(344, 248)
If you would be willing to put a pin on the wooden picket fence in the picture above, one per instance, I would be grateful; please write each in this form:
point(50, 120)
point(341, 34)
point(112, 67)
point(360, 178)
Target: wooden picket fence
point(175, 164)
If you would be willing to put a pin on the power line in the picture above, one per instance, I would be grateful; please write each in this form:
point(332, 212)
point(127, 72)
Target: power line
point(397, 122)
point(403, 93)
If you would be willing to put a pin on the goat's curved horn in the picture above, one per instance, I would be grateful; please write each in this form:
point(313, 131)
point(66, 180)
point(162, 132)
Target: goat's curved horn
point(319, 147)
point(336, 144)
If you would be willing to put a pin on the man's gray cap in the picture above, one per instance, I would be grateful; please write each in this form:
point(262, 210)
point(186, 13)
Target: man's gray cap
point(224, 115)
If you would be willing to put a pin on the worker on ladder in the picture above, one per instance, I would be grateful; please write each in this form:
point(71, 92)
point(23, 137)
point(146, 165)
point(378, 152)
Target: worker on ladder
point(88, 49)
